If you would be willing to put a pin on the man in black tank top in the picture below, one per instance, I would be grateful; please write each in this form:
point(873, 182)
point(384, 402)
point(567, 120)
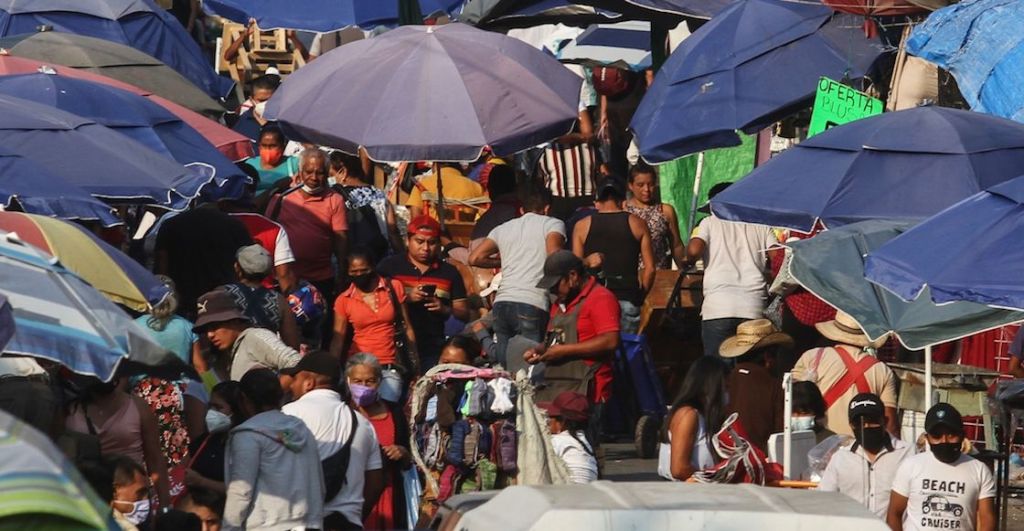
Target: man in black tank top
point(614, 241)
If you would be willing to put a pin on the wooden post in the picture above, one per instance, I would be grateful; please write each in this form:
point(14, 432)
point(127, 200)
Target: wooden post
point(439, 205)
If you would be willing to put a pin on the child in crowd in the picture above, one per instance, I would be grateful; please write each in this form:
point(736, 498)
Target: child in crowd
point(206, 504)
point(567, 421)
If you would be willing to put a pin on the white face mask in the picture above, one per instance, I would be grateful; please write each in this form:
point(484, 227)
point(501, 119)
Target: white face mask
point(139, 512)
point(217, 422)
point(801, 423)
point(259, 107)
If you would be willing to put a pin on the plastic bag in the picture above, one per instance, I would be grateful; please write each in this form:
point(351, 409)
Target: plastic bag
point(413, 492)
point(819, 456)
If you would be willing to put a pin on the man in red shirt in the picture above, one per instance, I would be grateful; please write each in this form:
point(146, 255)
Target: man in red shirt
point(583, 334)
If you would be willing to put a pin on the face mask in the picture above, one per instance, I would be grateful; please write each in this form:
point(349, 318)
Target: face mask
point(312, 191)
point(139, 512)
point(271, 156)
point(801, 423)
point(217, 422)
point(259, 107)
point(946, 452)
point(363, 395)
point(872, 439)
point(364, 282)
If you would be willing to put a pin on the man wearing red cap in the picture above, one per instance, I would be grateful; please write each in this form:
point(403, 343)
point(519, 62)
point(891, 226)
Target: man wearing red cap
point(434, 289)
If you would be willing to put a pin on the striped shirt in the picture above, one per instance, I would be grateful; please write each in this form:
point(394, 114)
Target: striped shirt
point(569, 169)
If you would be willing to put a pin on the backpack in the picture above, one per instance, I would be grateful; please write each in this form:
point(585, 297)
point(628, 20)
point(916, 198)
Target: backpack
point(504, 445)
point(611, 82)
point(363, 227)
point(335, 467)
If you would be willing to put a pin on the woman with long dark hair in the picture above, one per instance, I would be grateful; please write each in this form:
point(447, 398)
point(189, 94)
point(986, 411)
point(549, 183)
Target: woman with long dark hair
point(695, 417)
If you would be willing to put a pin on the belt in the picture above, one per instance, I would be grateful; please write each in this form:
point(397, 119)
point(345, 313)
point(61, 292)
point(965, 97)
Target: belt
point(38, 378)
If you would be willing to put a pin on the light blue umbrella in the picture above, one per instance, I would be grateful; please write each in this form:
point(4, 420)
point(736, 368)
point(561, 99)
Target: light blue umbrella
point(982, 44)
point(625, 45)
point(59, 317)
point(831, 266)
point(971, 251)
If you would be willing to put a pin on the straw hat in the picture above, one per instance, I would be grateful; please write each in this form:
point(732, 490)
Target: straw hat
point(752, 335)
point(846, 330)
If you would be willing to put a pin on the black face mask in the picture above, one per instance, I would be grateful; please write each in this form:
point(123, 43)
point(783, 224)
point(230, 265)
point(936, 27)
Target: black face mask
point(872, 439)
point(364, 282)
point(947, 452)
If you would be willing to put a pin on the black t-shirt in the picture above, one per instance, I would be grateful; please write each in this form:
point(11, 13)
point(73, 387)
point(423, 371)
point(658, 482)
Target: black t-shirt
point(209, 462)
point(429, 326)
point(499, 212)
point(200, 246)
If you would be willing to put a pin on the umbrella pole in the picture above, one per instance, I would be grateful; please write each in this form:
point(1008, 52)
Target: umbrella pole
point(927, 378)
point(787, 430)
point(439, 205)
point(696, 194)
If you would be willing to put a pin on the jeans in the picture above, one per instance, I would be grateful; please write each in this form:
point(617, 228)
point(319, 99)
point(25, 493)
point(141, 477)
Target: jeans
point(392, 386)
point(714, 331)
point(629, 317)
point(517, 318)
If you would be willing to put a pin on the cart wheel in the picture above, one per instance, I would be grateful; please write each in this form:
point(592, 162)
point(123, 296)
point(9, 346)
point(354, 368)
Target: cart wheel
point(646, 437)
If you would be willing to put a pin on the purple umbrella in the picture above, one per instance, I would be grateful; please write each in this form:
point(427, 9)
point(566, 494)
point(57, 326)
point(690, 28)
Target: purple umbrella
point(429, 93)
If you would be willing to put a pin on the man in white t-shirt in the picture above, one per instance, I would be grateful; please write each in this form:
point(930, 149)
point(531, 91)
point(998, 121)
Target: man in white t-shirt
point(942, 489)
point(330, 419)
point(735, 274)
point(519, 247)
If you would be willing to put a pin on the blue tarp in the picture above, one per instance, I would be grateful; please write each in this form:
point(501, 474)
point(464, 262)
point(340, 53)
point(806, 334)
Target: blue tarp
point(140, 24)
point(982, 44)
point(972, 251)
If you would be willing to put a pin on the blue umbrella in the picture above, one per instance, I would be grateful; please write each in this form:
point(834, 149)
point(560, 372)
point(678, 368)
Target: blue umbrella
point(103, 162)
point(701, 9)
point(969, 252)
point(61, 318)
point(982, 45)
point(625, 45)
point(879, 167)
point(753, 64)
point(321, 15)
point(509, 14)
point(430, 93)
point(140, 24)
point(831, 266)
point(21, 189)
point(136, 117)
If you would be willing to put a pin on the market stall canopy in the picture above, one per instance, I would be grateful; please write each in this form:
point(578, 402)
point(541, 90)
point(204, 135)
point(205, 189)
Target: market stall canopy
point(972, 251)
point(114, 274)
point(59, 317)
point(508, 14)
point(753, 64)
point(102, 161)
point(429, 93)
point(136, 23)
point(831, 266)
point(233, 145)
point(322, 15)
point(42, 488)
point(137, 118)
point(29, 187)
point(880, 167)
point(117, 61)
point(982, 44)
point(625, 45)
point(875, 8)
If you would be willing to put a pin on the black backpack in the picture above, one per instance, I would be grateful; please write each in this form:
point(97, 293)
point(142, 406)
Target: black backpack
point(363, 227)
point(335, 467)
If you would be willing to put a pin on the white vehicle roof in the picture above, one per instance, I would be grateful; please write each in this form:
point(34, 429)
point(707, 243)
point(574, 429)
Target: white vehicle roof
point(653, 506)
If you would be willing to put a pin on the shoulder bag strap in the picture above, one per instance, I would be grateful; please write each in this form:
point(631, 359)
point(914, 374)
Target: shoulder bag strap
point(405, 358)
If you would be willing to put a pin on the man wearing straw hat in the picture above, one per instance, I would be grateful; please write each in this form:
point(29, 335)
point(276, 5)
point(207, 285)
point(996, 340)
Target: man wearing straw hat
point(846, 369)
point(754, 393)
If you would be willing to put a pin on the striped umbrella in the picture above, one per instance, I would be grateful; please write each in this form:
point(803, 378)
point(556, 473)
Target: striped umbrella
point(111, 272)
point(59, 317)
point(41, 488)
point(625, 45)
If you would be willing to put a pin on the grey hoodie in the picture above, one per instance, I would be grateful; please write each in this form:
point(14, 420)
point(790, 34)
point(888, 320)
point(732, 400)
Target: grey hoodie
point(273, 475)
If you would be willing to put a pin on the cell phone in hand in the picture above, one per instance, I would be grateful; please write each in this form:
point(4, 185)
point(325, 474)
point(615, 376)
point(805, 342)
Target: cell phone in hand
point(429, 289)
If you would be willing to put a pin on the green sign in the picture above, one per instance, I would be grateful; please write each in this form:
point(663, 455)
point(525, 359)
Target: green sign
point(836, 104)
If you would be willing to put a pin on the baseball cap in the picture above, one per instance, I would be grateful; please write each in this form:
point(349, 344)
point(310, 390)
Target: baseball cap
point(216, 306)
point(569, 405)
point(556, 266)
point(426, 226)
point(254, 260)
point(611, 185)
point(715, 190)
point(492, 287)
point(943, 415)
point(866, 405)
point(319, 362)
